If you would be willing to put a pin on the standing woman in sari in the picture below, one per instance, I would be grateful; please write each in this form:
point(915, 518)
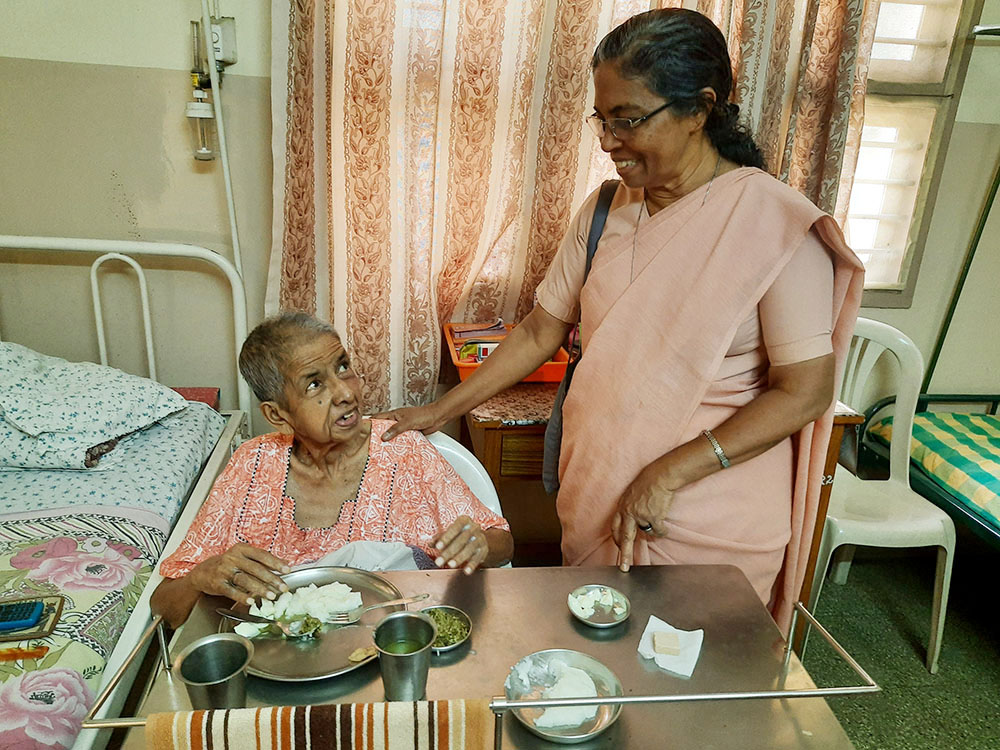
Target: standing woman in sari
point(713, 321)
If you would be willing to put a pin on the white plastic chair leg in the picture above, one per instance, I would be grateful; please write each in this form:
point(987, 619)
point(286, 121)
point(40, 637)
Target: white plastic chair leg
point(842, 564)
point(942, 583)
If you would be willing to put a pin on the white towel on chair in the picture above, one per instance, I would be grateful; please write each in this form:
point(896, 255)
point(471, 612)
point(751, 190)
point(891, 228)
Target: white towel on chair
point(368, 556)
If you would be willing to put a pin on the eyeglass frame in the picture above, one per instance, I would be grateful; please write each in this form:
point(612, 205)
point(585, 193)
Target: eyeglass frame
point(596, 122)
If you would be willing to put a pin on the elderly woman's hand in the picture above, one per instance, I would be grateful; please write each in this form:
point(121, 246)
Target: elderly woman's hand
point(462, 545)
point(642, 508)
point(243, 573)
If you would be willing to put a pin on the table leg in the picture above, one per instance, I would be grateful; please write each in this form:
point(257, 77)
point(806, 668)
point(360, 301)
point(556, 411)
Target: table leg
point(829, 470)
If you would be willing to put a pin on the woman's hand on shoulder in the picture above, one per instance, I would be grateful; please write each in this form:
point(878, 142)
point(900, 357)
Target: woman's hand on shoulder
point(642, 508)
point(427, 419)
point(243, 573)
point(462, 545)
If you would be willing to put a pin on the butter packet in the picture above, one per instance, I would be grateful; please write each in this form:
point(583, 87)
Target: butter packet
point(688, 647)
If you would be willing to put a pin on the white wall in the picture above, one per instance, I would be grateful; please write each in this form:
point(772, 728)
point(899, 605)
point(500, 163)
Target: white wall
point(981, 96)
point(970, 358)
point(94, 143)
point(139, 34)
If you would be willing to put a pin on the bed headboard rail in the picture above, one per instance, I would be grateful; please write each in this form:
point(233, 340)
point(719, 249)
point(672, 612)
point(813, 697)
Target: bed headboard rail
point(124, 250)
point(147, 324)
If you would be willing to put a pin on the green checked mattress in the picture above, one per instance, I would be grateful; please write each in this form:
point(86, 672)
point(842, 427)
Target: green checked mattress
point(959, 452)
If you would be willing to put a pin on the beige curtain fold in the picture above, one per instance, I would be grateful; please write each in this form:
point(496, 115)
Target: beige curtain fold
point(428, 154)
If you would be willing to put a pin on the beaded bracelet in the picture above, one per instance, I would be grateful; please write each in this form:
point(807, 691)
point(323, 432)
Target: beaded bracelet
point(720, 454)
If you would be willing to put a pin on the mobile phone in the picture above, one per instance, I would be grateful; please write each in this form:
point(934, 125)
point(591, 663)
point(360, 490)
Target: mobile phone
point(20, 614)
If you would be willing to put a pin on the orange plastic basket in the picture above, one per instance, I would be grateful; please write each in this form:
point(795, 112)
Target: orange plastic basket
point(551, 372)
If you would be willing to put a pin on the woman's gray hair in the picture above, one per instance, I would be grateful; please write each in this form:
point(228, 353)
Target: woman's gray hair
point(265, 354)
point(676, 53)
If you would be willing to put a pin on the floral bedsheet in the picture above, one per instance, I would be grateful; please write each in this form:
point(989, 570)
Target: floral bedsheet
point(100, 562)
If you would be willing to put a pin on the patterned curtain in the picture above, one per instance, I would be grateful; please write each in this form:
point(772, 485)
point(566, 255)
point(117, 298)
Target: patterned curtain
point(428, 154)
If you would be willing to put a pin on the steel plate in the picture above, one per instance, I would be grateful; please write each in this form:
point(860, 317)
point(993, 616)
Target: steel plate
point(326, 655)
point(533, 674)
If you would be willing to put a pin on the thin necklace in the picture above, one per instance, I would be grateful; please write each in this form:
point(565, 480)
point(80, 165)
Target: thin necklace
point(635, 234)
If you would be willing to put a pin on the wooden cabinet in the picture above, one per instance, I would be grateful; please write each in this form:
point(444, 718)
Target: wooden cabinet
point(509, 451)
point(508, 431)
point(521, 454)
point(507, 434)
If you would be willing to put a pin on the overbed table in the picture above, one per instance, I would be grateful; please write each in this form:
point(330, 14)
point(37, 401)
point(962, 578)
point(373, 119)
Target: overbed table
point(517, 611)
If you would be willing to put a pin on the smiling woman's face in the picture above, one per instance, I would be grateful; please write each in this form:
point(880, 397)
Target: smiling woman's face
point(657, 151)
point(322, 391)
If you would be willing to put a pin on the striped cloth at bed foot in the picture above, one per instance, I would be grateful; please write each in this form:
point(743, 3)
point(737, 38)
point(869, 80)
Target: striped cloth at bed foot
point(441, 725)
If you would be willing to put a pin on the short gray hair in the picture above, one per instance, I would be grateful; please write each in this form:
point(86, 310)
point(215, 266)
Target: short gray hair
point(265, 354)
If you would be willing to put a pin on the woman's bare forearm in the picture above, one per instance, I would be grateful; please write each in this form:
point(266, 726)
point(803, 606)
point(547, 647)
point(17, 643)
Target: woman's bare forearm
point(798, 394)
point(524, 350)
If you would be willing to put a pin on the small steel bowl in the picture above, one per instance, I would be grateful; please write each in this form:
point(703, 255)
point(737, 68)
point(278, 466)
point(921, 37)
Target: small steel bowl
point(458, 613)
point(603, 615)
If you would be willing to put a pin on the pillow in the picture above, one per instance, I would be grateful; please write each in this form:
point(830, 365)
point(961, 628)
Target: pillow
point(55, 411)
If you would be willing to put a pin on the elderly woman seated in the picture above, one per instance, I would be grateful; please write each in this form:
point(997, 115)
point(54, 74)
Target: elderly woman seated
point(322, 480)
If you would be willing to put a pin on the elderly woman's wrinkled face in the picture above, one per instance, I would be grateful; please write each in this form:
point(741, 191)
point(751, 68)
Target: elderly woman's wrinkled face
point(322, 391)
point(658, 151)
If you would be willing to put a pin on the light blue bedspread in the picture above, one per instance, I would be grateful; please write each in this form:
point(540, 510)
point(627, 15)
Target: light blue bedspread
point(156, 468)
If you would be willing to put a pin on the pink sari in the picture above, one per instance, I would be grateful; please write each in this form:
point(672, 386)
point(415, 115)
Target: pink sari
point(653, 347)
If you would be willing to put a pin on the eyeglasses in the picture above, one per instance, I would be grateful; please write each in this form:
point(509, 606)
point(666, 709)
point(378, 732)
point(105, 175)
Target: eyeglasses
point(621, 127)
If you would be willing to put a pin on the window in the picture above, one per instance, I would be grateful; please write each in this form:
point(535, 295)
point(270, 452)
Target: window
point(913, 40)
point(894, 144)
point(918, 63)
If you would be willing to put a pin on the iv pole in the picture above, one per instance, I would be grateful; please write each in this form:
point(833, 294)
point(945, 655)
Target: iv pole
point(977, 31)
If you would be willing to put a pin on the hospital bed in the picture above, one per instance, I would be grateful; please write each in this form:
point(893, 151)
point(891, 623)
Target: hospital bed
point(954, 456)
point(95, 536)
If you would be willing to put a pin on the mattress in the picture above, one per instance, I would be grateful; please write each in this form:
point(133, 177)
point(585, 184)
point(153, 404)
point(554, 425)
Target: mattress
point(960, 453)
point(92, 537)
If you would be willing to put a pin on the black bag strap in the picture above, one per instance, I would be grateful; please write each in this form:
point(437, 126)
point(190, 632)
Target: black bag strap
point(601, 209)
point(604, 198)
point(553, 430)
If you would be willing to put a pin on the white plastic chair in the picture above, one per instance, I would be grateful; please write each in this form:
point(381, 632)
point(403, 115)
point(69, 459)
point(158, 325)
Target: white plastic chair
point(886, 513)
point(470, 470)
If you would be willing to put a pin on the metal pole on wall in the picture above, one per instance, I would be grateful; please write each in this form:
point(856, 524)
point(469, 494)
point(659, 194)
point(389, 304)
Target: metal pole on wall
point(977, 31)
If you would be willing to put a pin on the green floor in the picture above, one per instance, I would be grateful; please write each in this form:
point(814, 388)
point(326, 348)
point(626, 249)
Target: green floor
point(882, 616)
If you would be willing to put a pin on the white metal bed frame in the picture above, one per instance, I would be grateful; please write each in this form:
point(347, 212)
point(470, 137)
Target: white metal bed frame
point(134, 639)
point(122, 250)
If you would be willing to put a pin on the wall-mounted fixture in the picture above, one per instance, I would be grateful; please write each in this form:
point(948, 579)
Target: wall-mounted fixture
point(206, 111)
point(224, 41)
point(200, 113)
